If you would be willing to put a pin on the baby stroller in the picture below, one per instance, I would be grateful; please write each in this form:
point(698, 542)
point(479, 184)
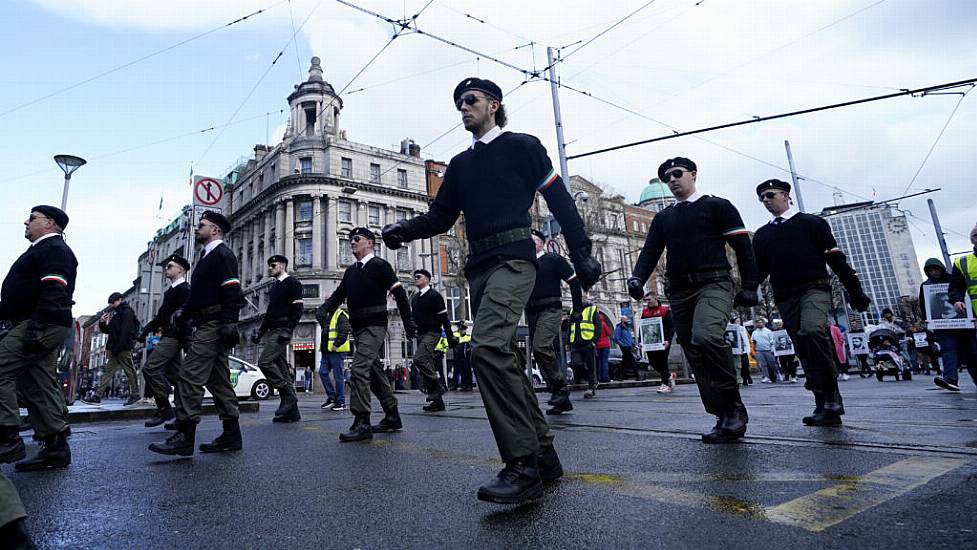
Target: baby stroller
point(883, 345)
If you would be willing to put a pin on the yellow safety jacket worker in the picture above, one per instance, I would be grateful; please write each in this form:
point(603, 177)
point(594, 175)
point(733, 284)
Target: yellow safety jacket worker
point(968, 266)
point(586, 328)
point(442, 345)
point(334, 333)
point(462, 338)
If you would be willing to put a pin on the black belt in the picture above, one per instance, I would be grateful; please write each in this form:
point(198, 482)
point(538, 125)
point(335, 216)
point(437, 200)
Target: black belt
point(205, 315)
point(501, 238)
point(362, 312)
point(697, 278)
point(795, 290)
point(543, 303)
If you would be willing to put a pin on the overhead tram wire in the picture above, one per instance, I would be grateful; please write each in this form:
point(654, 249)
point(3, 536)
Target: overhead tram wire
point(135, 61)
point(258, 83)
point(938, 137)
point(602, 33)
point(922, 91)
point(298, 60)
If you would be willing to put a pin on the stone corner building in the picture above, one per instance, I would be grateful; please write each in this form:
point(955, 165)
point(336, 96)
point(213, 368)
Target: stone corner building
point(300, 198)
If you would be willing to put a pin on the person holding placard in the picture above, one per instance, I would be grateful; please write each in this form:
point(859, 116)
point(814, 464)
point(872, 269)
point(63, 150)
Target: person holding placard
point(658, 356)
point(953, 330)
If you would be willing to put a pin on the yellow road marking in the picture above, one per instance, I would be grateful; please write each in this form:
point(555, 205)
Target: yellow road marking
point(833, 505)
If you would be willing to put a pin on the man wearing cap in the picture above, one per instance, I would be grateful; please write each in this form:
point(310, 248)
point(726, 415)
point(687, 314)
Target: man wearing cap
point(212, 308)
point(696, 230)
point(431, 317)
point(494, 183)
point(793, 249)
point(120, 326)
point(544, 313)
point(35, 305)
point(163, 366)
point(282, 316)
point(364, 288)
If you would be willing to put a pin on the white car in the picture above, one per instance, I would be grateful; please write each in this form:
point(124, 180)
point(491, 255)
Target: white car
point(247, 380)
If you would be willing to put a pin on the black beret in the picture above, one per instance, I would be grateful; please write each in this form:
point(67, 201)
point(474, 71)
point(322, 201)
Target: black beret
point(178, 260)
point(480, 84)
point(115, 296)
point(363, 232)
point(886, 310)
point(424, 272)
point(278, 258)
point(773, 184)
point(538, 233)
point(218, 219)
point(681, 162)
point(54, 213)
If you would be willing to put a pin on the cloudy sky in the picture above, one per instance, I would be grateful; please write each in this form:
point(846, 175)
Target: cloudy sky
point(130, 85)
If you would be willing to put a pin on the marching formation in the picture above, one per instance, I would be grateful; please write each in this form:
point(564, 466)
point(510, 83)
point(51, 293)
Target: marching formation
point(493, 184)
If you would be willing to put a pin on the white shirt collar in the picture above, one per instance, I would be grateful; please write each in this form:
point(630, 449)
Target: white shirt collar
point(283, 276)
point(488, 137)
point(178, 282)
point(694, 197)
point(425, 289)
point(365, 259)
point(211, 246)
point(788, 214)
point(45, 236)
point(540, 254)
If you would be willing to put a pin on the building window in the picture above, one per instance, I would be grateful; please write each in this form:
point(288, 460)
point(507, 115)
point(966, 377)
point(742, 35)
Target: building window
point(454, 303)
point(345, 254)
point(347, 165)
point(373, 215)
point(402, 178)
point(304, 211)
point(345, 211)
point(310, 291)
point(403, 259)
point(306, 165)
point(303, 251)
point(310, 117)
point(374, 173)
point(402, 214)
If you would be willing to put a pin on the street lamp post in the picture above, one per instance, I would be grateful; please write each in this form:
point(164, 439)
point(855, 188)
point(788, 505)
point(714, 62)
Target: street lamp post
point(68, 163)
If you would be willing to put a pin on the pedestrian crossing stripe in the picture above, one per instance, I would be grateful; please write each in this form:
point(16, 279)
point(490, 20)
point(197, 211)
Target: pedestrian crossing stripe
point(53, 278)
point(231, 281)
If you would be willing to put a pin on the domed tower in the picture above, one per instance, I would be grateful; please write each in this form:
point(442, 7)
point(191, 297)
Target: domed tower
point(314, 107)
point(657, 196)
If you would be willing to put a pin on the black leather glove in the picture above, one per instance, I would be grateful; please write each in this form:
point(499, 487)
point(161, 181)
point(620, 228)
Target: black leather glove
point(859, 300)
point(284, 335)
point(410, 330)
point(588, 271)
point(32, 337)
point(745, 298)
point(394, 234)
point(256, 339)
point(228, 335)
point(576, 317)
point(636, 289)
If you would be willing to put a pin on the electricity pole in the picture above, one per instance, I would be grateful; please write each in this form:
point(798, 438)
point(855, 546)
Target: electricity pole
point(560, 145)
point(793, 175)
point(939, 233)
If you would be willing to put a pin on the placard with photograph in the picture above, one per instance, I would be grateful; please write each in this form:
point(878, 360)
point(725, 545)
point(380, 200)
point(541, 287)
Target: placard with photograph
point(858, 343)
point(940, 312)
point(733, 340)
point(782, 344)
point(919, 338)
point(652, 334)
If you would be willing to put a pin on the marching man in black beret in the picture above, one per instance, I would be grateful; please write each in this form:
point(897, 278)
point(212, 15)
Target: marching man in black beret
point(793, 249)
point(120, 326)
point(364, 288)
point(163, 366)
point(35, 311)
point(493, 183)
point(696, 230)
point(212, 307)
point(431, 317)
point(282, 316)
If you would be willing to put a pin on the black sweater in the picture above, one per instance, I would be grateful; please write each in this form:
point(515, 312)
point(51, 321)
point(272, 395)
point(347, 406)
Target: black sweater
point(285, 305)
point(121, 329)
point(367, 287)
point(796, 252)
point(430, 313)
point(215, 282)
point(495, 187)
point(553, 268)
point(173, 298)
point(696, 235)
point(40, 284)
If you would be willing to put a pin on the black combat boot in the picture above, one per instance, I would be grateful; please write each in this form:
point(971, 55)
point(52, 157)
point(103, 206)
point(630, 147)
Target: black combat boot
point(285, 400)
point(228, 440)
point(831, 410)
point(818, 408)
point(389, 423)
point(290, 412)
point(171, 426)
point(436, 405)
point(560, 402)
point(54, 453)
point(734, 422)
point(359, 431)
point(518, 482)
point(12, 446)
point(15, 536)
point(180, 443)
point(548, 463)
point(161, 416)
point(716, 434)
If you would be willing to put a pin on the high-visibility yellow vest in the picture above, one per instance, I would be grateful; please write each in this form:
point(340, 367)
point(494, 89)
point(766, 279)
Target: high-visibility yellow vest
point(462, 338)
point(442, 344)
point(586, 327)
point(334, 332)
point(968, 266)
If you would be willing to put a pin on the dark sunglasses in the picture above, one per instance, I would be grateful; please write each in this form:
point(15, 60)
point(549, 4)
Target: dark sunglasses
point(418, 276)
point(33, 217)
point(675, 174)
point(357, 238)
point(469, 100)
point(768, 195)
